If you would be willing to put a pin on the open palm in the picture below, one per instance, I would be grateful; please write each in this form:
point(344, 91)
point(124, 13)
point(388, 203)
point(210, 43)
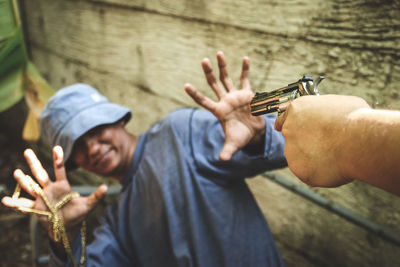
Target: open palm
point(73, 213)
point(232, 108)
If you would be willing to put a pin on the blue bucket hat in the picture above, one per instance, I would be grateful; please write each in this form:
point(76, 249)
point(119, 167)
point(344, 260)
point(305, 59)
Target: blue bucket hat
point(73, 111)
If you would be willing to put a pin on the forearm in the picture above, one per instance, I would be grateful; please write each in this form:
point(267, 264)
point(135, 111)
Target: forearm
point(257, 142)
point(370, 151)
point(269, 146)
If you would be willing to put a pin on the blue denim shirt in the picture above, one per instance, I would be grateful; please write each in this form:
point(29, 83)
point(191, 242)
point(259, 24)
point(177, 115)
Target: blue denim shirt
point(182, 206)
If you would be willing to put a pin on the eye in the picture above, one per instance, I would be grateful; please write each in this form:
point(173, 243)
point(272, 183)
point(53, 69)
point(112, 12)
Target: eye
point(77, 148)
point(93, 131)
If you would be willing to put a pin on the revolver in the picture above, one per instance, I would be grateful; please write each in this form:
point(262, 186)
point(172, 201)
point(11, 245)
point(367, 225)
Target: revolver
point(279, 99)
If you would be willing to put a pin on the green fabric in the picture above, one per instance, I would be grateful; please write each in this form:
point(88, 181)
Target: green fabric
point(7, 19)
point(12, 52)
point(18, 76)
point(37, 90)
point(13, 57)
point(11, 88)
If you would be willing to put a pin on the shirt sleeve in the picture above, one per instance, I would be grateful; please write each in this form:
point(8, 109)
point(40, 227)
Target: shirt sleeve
point(206, 142)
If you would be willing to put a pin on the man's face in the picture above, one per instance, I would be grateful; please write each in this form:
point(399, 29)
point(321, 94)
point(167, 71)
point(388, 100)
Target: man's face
point(104, 150)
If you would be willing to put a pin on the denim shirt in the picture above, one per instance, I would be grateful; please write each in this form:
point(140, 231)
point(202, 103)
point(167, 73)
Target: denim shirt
point(182, 206)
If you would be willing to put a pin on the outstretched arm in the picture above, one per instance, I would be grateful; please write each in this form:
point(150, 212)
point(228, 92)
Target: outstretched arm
point(334, 139)
point(232, 108)
point(72, 213)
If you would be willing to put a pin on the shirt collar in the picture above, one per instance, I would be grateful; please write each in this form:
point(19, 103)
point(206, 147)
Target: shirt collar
point(137, 155)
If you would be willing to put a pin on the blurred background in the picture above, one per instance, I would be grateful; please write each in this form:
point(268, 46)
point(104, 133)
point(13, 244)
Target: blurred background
point(140, 54)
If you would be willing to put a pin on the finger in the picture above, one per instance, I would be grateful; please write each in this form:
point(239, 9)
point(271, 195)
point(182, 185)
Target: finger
point(211, 80)
point(278, 125)
point(244, 77)
point(58, 161)
point(199, 98)
point(36, 167)
point(96, 196)
point(20, 202)
point(223, 72)
point(27, 183)
point(227, 151)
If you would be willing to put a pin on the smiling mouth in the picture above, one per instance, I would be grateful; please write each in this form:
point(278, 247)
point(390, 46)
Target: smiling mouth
point(103, 158)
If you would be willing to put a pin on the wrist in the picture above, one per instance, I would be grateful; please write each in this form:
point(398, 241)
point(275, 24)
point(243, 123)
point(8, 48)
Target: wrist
point(71, 233)
point(353, 145)
point(258, 136)
point(256, 144)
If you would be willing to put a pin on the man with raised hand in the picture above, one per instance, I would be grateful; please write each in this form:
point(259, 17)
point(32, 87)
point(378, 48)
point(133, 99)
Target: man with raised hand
point(184, 200)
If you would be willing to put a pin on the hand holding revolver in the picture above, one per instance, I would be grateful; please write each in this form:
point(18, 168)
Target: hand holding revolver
point(316, 130)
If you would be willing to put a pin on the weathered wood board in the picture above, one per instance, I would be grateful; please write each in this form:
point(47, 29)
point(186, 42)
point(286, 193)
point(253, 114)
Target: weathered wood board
point(141, 53)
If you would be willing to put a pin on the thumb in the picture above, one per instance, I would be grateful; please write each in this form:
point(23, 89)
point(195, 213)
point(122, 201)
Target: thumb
point(227, 151)
point(58, 163)
point(96, 196)
point(280, 121)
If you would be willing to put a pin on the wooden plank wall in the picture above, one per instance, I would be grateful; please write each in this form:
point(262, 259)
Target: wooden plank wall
point(140, 54)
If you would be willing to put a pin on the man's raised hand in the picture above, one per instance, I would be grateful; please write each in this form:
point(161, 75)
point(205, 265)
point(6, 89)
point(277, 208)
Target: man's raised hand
point(232, 108)
point(73, 213)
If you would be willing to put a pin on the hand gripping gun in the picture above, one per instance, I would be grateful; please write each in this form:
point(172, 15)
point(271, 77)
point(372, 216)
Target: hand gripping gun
point(279, 99)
